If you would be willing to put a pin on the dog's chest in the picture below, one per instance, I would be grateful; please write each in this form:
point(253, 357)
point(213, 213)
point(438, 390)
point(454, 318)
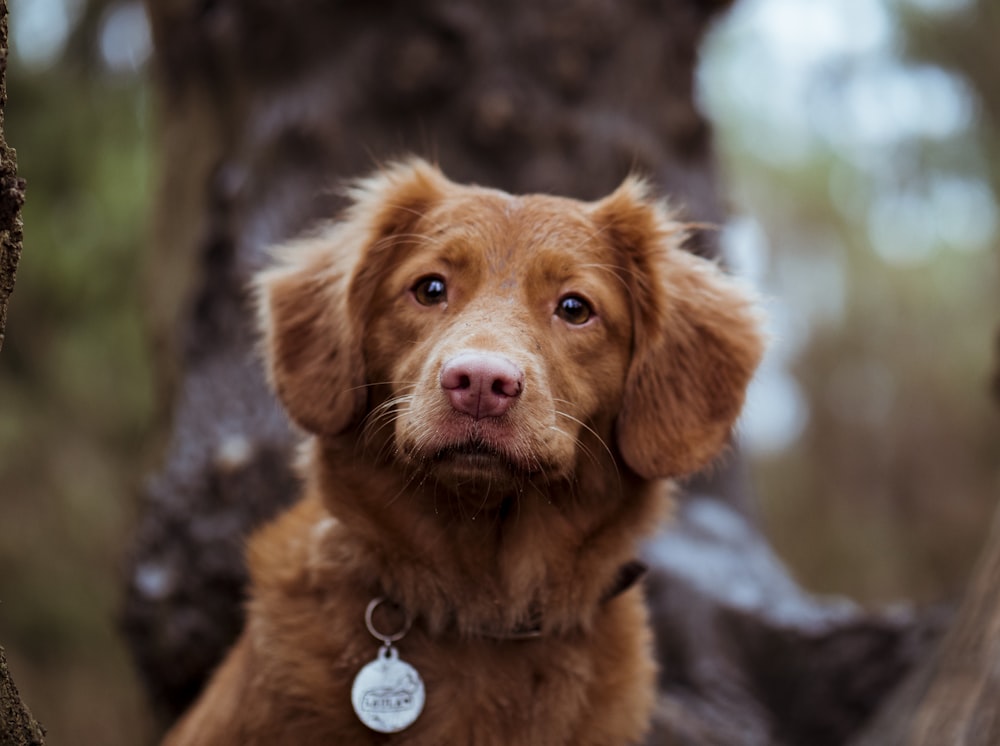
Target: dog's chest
point(502, 692)
point(309, 631)
point(480, 693)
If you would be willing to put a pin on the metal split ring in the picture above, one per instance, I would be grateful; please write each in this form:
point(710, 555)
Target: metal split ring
point(387, 640)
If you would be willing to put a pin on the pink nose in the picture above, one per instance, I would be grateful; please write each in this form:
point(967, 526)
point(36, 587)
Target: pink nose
point(481, 384)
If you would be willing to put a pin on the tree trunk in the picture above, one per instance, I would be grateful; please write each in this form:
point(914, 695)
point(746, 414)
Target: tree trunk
point(17, 727)
point(11, 192)
point(264, 107)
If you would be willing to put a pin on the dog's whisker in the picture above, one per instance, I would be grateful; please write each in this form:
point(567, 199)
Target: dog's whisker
point(485, 500)
point(417, 239)
point(615, 270)
point(377, 418)
point(372, 384)
point(383, 416)
point(591, 236)
point(617, 273)
point(406, 208)
point(604, 445)
point(590, 430)
point(374, 425)
point(587, 451)
point(542, 494)
point(391, 403)
point(388, 405)
point(405, 488)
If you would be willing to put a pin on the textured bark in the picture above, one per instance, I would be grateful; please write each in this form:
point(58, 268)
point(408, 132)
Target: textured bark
point(264, 107)
point(750, 659)
point(17, 726)
point(11, 192)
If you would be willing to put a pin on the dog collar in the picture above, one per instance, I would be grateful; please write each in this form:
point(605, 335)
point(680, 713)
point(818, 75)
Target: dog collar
point(628, 575)
point(388, 694)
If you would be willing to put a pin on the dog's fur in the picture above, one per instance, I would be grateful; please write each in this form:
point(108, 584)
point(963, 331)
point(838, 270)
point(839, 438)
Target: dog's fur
point(477, 526)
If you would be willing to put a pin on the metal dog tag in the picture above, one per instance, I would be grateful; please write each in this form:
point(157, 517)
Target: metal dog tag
point(388, 694)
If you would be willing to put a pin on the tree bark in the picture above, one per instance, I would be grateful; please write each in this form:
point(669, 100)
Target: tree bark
point(750, 659)
point(264, 107)
point(11, 192)
point(17, 726)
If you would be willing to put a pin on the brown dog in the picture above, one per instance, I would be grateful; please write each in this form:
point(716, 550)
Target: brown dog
point(493, 386)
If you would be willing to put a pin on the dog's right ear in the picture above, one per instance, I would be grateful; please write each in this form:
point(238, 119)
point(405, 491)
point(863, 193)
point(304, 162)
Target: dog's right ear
point(306, 308)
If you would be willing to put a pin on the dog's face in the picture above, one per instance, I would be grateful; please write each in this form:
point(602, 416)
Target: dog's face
point(485, 338)
point(501, 330)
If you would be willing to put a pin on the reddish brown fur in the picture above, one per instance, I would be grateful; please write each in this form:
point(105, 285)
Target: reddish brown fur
point(476, 547)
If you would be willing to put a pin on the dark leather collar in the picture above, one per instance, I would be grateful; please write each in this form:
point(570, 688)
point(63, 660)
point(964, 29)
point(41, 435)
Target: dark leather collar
point(628, 575)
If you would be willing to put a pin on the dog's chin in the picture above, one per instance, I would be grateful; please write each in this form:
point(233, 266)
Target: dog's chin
point(474, 465)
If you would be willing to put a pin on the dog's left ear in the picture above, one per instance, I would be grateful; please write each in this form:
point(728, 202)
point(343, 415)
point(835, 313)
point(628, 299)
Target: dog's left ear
point(696, 340)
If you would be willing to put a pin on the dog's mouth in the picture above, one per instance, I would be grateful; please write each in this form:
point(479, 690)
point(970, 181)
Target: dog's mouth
point(472, 450)
point(476, 459)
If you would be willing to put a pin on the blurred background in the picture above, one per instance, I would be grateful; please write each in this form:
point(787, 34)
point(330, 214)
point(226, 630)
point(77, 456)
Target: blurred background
point(862, 172)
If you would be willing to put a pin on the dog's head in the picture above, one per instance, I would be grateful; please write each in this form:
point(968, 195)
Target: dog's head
point(472, 333)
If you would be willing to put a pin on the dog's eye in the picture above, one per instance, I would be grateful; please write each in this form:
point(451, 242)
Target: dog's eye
point(430, 291)
point(574, 310)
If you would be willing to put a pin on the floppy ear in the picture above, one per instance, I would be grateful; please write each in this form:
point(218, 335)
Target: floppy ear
point(696, 341)
point(307, 308)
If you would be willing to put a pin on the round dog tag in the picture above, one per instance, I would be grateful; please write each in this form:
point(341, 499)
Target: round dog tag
point(388, 694)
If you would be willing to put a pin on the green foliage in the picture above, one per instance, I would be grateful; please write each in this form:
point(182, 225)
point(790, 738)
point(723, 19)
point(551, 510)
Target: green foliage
point(76, 398)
